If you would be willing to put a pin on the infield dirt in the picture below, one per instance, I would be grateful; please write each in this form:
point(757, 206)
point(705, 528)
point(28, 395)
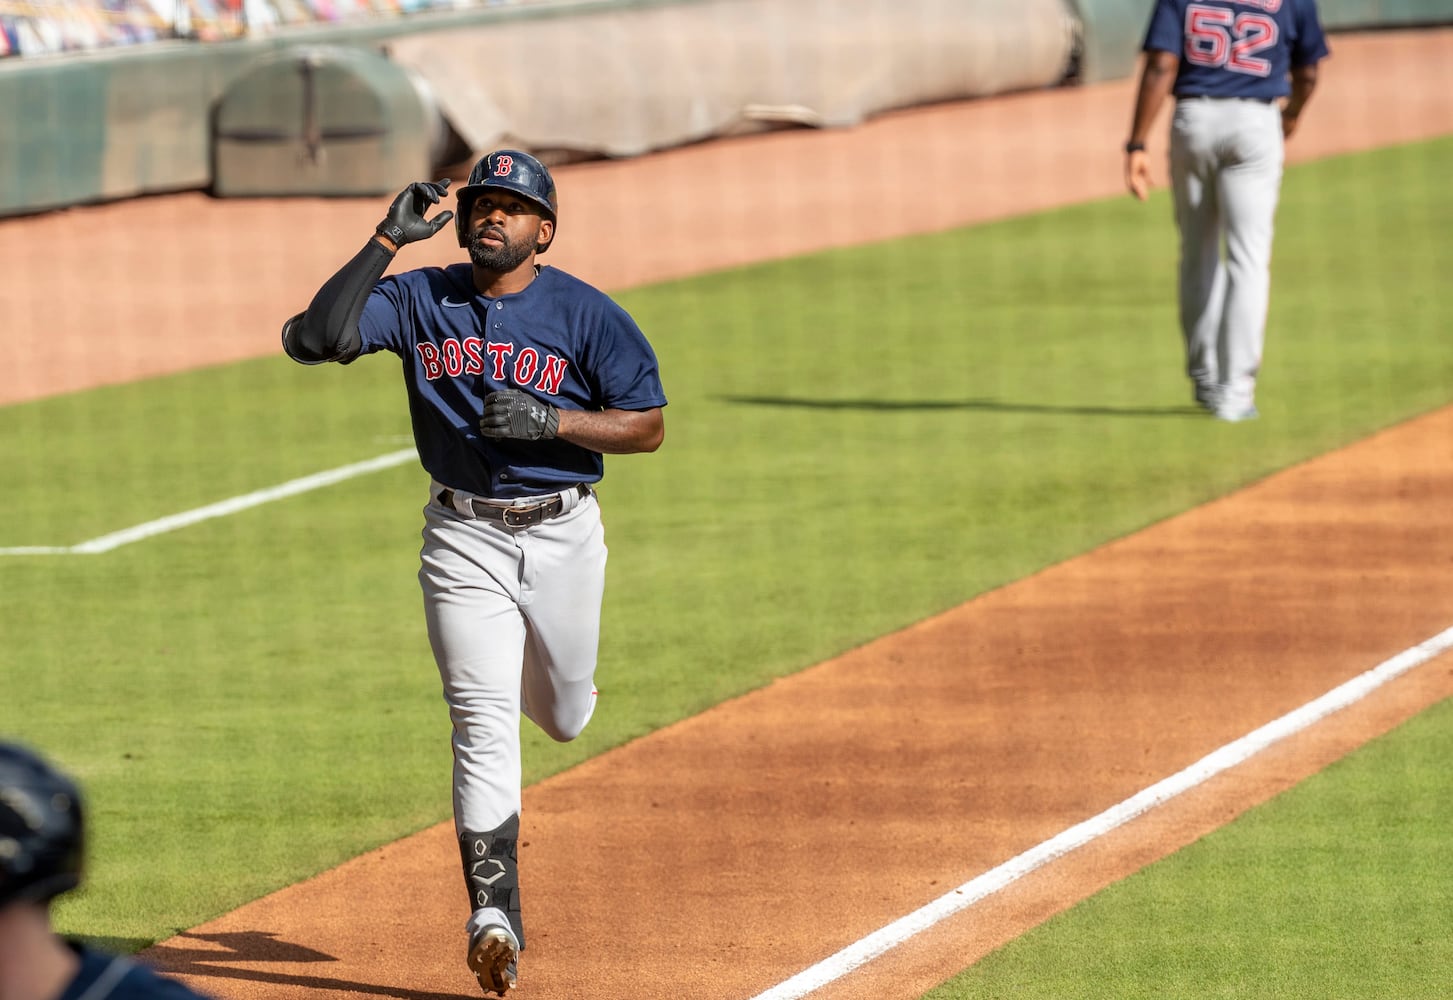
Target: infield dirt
point(718, 857)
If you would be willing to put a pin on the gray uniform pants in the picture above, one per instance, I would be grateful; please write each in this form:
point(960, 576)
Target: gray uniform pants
point(1225, 167)
point(514, 620)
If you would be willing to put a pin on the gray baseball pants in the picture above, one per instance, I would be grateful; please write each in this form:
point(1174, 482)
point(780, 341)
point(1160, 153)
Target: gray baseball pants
point(1226, 166)
point(513, 616)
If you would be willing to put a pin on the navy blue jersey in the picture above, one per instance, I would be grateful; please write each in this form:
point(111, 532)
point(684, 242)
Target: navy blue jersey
point(104, 977)
point(559, 339)
point(1237, 48)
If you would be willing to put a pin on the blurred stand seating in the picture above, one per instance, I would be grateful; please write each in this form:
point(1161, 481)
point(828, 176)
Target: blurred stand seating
point(49, 27)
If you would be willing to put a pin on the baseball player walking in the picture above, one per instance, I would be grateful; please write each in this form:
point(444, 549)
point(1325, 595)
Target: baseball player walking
point(520, 378)
point(1242, 72)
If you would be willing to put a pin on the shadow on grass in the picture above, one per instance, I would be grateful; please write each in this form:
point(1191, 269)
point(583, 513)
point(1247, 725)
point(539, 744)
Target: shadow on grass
point(988, 405)
point(110, 945)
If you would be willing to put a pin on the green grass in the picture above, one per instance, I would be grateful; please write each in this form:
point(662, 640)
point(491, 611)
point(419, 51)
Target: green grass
point(1336, 890)
point(855, 440)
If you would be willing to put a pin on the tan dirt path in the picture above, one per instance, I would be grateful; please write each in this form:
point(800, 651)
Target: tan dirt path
point(718, 857)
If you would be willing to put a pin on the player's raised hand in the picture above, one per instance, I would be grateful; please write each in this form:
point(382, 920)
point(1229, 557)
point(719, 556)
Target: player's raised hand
point(405, 222)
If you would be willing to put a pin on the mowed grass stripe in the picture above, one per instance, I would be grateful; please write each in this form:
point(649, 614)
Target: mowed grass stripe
point(223, 508)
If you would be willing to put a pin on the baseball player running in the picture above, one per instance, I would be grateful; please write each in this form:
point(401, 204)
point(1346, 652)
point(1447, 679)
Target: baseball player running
point(519, 378)
point(1230, 64)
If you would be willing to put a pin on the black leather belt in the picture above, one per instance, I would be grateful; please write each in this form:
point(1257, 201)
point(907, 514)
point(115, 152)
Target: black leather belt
point(1213, 97)
point(519, 513)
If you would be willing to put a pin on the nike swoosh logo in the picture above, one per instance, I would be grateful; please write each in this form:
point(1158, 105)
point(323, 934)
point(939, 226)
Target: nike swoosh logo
point(452, 305)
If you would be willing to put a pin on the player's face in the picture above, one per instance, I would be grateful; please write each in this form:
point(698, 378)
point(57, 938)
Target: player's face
point(505, 231)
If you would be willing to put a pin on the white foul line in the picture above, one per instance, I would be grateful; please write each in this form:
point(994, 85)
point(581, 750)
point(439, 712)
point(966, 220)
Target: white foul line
point(220, 509)
point(982, 886)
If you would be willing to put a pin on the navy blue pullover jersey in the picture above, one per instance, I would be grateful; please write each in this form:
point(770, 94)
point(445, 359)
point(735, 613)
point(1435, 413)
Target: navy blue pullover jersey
point(1237, 48)
point(559, 339)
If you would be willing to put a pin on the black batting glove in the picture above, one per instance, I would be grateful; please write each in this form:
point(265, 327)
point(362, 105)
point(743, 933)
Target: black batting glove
point(510, 413)
point(405, 222)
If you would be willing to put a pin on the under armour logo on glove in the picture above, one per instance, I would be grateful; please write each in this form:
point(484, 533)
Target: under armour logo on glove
point(510, 413)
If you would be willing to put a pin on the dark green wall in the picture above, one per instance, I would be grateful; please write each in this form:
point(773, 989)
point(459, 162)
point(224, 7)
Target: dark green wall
point(1346, 14)
point(119, 122)
point(122, 122)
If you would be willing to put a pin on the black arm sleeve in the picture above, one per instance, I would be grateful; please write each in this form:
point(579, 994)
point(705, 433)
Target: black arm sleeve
point(328, 330)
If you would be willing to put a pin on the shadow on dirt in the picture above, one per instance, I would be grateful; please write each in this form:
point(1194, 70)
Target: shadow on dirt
point(208, 961)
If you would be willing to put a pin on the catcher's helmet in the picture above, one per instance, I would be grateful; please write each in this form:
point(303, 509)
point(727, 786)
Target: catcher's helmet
point(514, 171)
point(41, 833)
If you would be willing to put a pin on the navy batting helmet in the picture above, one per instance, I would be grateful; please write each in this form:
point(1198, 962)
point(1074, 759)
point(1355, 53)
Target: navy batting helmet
point(514, 171)
point(41, 833)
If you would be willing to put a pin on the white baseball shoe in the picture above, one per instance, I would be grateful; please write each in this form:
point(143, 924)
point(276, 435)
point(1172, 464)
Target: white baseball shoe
point(1207, 396)
point(1235, 414)
point(494, 954)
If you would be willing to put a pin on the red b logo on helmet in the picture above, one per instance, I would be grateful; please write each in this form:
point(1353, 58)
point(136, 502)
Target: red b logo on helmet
point(503, 166)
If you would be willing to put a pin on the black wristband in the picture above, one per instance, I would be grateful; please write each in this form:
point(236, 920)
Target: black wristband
point(1135, 147)
point(391, 231)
